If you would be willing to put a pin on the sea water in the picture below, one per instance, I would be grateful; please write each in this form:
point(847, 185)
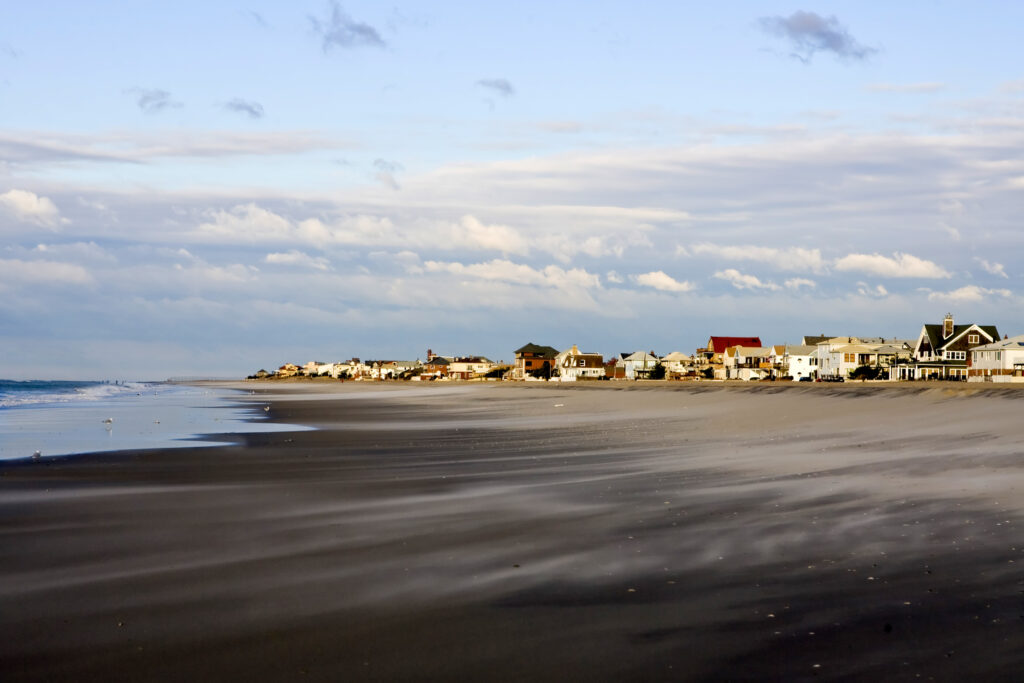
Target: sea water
point(63, 418)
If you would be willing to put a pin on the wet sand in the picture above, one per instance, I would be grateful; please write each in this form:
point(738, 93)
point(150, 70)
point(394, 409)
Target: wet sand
point(605, 531)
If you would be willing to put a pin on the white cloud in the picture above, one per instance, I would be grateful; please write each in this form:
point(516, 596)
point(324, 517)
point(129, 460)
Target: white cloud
point(247, 222)
point(798, 282)
point(517, 273)
point(299, 259)
point(470, 233)
point(659, 280)
point(899, 265)
point(992, 268)
point(31, 208)
point(791, 258)
point(741, 281)
point(15, 272)
point(80, 251)
point(969, 294)
point(614, 277)
point(878, 291)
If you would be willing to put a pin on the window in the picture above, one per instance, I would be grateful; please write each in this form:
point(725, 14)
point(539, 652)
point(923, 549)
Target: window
point(849, 358)
point(999, 355)
point(973, 339)
point(956, 355)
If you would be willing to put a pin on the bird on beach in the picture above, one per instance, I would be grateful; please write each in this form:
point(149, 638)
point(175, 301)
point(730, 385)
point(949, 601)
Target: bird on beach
point(266, 409)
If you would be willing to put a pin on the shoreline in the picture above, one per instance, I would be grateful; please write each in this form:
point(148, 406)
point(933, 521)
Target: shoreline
point(489, 531)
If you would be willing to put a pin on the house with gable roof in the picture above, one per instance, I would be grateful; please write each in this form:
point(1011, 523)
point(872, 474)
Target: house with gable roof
point(534, 358)
point(795, 361)
point(746, 362)
point(1000, 361)
point(712, 355)
point(944, 351)
point(573, 364)
point(678, 364)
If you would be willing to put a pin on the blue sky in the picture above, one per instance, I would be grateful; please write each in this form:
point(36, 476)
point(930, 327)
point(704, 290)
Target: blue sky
point(196, 190)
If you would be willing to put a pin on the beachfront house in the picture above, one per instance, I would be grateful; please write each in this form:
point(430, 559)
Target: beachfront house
point(746, 363)
point(678, 364)
point(288, 370)
point(944, 351)
point(394, 369)
point(711, 356)
point(534, 360)
point(636, 365)
point(436, 367)
point(797, 361)
point(1000, 361)
point(573, 364)
point(470, 367)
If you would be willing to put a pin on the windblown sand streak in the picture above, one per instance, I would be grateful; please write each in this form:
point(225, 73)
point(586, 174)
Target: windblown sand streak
point(514, 532)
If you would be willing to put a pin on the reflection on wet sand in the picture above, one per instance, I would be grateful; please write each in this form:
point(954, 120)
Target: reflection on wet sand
point(485, 533)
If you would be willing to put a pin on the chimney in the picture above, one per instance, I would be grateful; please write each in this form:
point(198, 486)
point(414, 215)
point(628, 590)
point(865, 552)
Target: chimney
point(947, 326)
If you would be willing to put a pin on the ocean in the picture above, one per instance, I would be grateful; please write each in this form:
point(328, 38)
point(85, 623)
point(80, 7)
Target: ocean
point(70, 417)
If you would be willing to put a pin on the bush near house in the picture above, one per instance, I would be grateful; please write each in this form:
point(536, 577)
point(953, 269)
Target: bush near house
point(865, 372)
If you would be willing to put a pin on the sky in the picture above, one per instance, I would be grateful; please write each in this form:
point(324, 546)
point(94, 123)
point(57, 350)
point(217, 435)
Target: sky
point(206, 189)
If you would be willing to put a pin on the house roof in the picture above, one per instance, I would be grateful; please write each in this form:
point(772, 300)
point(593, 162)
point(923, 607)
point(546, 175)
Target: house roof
point(720, 344)
point(640, 355)
point(800, 349)
point(811, 340)
point(1011, 343)
point(934, 333)
point(676, 356)
point(437, 360)
point(537, 350)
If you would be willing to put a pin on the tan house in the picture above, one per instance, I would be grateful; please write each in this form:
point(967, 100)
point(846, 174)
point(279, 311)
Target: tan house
point(288, 370)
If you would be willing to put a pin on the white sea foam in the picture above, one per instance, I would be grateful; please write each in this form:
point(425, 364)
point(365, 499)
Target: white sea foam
point(61, 418)
point(13, 394)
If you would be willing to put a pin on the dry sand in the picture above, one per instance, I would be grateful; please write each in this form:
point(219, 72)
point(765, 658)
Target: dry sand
point(605, 531)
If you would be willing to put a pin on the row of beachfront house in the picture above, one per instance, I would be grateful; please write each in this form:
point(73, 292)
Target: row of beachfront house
point(946, 351)
point(943, 351)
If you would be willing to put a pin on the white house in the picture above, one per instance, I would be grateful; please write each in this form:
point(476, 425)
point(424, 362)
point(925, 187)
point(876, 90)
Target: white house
point(1000, 361)
point(638, 365)
point(573, 364)
point(796, 361)
point(746, 362)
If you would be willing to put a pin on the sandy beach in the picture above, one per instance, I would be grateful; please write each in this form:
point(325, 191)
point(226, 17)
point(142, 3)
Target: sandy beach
point(605, 531)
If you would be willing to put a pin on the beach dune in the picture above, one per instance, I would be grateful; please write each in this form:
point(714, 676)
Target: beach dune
point(592, 532)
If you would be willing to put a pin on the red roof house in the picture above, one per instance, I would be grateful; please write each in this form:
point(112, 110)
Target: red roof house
point(720, 344)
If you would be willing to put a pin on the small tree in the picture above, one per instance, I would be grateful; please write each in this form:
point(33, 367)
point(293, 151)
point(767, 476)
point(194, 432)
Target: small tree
point(658, 371)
